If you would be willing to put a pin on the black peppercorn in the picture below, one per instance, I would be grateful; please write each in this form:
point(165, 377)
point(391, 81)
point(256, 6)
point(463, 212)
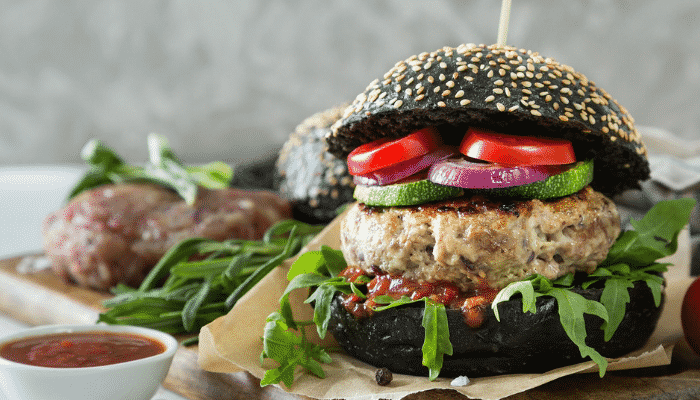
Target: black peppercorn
point(383, 376)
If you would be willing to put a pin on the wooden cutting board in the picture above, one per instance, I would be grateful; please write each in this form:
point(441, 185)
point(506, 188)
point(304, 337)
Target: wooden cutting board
point(40, 298)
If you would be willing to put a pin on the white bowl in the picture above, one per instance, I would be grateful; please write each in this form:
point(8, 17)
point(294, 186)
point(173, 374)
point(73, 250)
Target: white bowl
point(133, 380)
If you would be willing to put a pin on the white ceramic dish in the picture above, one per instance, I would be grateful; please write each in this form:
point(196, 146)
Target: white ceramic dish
point(133, 380)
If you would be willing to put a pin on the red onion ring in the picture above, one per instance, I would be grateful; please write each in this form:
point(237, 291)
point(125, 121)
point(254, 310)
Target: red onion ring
point(466, 174)
point(401, 170)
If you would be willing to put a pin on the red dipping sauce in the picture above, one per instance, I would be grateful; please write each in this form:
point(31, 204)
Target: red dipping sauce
point(80, 349)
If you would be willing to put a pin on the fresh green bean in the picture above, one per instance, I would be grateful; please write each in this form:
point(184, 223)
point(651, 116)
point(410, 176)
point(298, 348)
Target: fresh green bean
point(181, 294)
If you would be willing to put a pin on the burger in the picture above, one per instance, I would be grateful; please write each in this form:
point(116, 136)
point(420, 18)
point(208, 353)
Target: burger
point(483, 238)
point(316, 182)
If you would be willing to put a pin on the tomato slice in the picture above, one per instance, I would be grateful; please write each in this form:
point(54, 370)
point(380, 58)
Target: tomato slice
point(396, 172)
point(385, 152)
point(516, 150)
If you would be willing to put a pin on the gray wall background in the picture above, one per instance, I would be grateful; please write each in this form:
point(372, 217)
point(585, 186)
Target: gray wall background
point(228, 80)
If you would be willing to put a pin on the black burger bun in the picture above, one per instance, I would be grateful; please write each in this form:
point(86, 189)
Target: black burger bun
point(519, 343)
point(315, 181)
point(505, 89)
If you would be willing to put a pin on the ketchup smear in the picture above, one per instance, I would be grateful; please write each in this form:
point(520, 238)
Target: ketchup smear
point(80, 349)
point(471, 304)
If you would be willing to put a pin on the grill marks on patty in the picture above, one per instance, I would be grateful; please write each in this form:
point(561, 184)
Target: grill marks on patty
point(472, 240)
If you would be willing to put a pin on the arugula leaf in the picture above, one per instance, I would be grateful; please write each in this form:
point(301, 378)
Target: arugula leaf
point(525, 288)
point(614, 298)
point(323, 295)
point(571, 307)
point(655, 235)
point(309, 262)
point(437, 337)
point(335, 262)
point(164, 168)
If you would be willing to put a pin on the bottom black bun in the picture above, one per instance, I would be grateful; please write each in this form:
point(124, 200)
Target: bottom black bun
point(520, 343)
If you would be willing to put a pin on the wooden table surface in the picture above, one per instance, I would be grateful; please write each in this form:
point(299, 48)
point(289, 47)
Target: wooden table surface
point(39, 298)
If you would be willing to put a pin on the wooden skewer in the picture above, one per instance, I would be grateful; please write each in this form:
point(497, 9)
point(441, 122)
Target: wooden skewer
point(503, 22)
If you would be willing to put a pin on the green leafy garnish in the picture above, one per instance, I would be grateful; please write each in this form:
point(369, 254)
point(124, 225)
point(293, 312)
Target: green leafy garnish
point(437, 337)
point(163, 168)
point(181, 295)
point(655, 236)
point(632, 258)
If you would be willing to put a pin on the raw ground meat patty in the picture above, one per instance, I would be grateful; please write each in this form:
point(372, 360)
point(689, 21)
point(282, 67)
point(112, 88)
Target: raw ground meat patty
point(117, 233)
point(472, 241)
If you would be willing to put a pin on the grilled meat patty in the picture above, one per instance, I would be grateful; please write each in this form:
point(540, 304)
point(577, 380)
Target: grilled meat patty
point(117, 233)
point(472, 241)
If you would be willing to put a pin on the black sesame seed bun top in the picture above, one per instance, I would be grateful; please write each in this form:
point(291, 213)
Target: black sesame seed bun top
point(505, 89)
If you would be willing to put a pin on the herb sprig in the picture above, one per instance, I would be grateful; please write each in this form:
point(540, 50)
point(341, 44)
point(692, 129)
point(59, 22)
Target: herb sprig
point(199, 280)
point(163, 168)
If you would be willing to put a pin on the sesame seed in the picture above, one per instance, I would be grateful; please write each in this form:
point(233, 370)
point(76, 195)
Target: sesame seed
point(443, 65)
point(527, 84)
point(507, 92)
point(450, 84)
point(500, 107)
point(461, 68)
point(436, 89)
point(564, 99)
point(459, 94)
point(490, 74)
point(535, 113)
point(431, 79)
point(441, 77)
point(515, 107)
point(420, 90)
point(498, 82)
point(441, 104)
point(555, 106)
point(446, 93)
point(498, 91)
point(420, 97)
point(397, 88)
point(465, 102)
point(563, 118)
point(490, 99)
point(548, 98)
point(591, 120)
point(513, 76)
point(427, 65)
point(409, 92)
point(502, 72)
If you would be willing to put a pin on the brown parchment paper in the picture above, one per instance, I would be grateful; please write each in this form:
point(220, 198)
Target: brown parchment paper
point(232, 343)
